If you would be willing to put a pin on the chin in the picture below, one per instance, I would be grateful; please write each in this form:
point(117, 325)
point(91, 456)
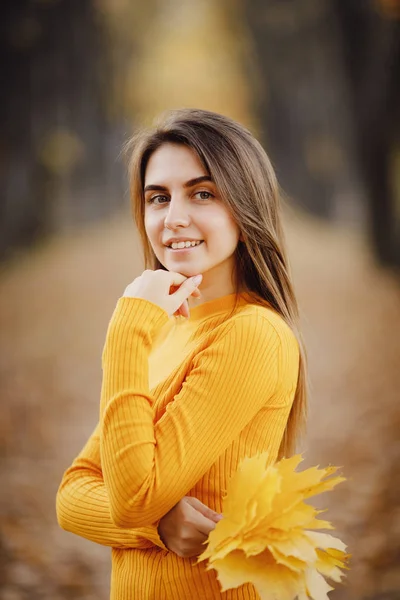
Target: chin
point(184, 268)
point(186, 271)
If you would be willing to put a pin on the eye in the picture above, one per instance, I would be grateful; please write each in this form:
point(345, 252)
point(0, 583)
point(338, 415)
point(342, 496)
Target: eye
point(203, 195)
point(158, 199)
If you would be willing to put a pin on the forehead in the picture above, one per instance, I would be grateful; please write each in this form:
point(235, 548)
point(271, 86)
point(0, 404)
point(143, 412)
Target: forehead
point(173, 162)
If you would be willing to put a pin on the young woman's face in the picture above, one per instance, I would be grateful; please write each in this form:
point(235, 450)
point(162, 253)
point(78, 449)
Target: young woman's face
point(183, 204)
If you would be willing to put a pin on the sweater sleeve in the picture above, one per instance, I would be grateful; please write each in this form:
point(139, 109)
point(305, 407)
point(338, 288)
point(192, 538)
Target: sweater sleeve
point(148, 467)
point(83, 507)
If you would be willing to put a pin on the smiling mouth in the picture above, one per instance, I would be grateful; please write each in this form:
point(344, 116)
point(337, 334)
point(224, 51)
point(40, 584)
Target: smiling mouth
point(176, 247)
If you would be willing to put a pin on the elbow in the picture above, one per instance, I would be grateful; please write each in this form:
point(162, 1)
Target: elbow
point(62, 512)
point(66, 513)
point(64, 523)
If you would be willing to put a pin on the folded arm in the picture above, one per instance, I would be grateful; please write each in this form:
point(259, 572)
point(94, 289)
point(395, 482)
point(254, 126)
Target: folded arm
point(148, 467)
point(83, 506)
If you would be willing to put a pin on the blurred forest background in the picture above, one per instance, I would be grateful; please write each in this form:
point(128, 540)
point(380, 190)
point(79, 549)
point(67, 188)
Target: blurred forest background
point(318, 81)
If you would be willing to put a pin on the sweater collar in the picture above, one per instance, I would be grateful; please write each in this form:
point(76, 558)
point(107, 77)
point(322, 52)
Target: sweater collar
point(219, 305)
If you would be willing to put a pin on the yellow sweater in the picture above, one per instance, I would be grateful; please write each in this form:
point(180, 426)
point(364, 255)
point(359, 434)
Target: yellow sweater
point(183, 401)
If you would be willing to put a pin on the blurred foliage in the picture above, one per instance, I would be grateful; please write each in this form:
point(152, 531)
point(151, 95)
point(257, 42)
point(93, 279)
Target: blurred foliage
point(61, 150)
point(330, 108)
point(176, 53)
point(389, 8)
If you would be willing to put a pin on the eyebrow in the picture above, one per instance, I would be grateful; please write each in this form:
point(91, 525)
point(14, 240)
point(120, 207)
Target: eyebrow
point(188, 184)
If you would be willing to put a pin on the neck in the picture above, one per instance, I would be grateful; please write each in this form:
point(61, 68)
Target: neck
point(211, 290)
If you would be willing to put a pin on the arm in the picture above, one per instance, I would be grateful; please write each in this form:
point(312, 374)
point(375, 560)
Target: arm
point(83, 507)
point(148, 467)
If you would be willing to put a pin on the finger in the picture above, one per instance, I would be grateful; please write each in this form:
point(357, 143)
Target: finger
point(201, 523)
point(196, 292)
point(204, 509)
point(184, 312)
point(184, 309)
point(186, 289)
point(174, 278)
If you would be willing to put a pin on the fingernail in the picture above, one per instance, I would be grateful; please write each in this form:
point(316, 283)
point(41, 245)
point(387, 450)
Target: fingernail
point(197, 279)
point(219, 517)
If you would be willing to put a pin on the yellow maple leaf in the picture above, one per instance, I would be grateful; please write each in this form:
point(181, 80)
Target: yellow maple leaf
point(267, 535)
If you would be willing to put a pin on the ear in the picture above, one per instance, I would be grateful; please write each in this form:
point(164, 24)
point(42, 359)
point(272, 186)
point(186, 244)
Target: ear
point(241, 238)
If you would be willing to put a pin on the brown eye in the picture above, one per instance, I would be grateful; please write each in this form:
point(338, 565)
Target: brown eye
point(204, 195)
point(159, 199)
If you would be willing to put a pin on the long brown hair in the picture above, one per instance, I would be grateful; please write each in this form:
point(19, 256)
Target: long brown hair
point(244, 176)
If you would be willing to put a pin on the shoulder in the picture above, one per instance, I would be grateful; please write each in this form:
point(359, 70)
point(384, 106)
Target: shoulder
point(262, 320)
point(255, 339)
point(269, 340)
point(255, 328)
point(265, 333)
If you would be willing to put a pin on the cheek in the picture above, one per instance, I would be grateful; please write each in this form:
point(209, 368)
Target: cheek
point(150, 225)
point(222, 229)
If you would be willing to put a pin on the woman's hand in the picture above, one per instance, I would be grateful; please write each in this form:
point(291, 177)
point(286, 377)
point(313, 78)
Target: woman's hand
point(185, 528)
point(156, 286)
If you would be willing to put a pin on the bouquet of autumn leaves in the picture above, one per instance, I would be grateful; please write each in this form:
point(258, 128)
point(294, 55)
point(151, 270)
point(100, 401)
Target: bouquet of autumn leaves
point(267, 535)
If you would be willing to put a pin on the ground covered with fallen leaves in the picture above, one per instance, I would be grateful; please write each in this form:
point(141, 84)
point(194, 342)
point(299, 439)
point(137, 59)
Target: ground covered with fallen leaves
point(55, 303)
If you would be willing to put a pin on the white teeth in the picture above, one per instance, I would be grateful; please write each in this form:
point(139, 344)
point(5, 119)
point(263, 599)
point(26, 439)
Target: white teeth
point(177, 245)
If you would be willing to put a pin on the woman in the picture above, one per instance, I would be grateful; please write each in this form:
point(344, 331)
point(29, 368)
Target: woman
point(202, 363)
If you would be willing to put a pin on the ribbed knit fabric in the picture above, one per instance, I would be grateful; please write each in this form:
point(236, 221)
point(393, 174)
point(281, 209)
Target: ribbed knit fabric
point(183, 402)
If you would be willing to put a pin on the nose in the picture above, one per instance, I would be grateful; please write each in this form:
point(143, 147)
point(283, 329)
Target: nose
point(177, 214)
